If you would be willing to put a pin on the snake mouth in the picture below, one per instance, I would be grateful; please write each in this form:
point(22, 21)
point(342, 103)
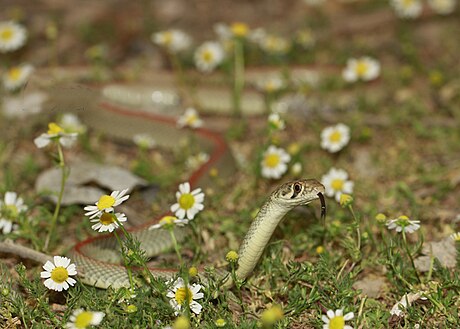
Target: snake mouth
point(323, 206)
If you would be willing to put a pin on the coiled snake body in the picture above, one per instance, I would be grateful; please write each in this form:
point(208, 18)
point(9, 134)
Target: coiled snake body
point(98, 258)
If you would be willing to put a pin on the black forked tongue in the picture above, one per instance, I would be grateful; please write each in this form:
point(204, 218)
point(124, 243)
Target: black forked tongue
point(323, 206)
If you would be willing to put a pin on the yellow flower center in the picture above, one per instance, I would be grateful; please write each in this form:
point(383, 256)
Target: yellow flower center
point(83, 319)
point(11, 211)
point(181, 295)
point(337, 184)
point(272, 160)
point(59, 274)
point(167, 220)
point(361, 68)
point(7, 34)
point(14, 73)
point(335, 137)
point(270, 87)
point(107, 219)
point(186, 201)
point(191, 119)
point(337, 322)
point(54, 129)
point(208, 56)
point(239, 29)
point(106, 201)
point(403, 220)
point(408, 3)
point(167, 38)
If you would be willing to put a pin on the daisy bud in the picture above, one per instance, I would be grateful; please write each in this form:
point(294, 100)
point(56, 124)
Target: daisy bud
point(346, 200)
point(232, 256)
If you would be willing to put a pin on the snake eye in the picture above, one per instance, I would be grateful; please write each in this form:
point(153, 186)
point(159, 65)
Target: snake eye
point(297, 189)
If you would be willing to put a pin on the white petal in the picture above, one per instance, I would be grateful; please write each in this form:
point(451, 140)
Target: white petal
point(49, 266)
point(348, 316)
point(330, 314)
point(71, 281)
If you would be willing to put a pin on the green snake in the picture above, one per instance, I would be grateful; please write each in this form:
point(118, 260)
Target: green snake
point(98, 259)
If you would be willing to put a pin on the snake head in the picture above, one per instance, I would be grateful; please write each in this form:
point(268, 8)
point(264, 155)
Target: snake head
point(300, 192)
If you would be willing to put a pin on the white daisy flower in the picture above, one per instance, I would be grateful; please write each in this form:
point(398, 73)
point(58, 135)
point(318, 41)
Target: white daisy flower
point(144, 141)
point(57, 275)
point(364, 68)
point(106, 203)
point(208, 56)
point(12, 205)
point(169, 221)
point(234, 30)
point(190, 118)
point(403, 223)
point(55, 132)
point(305, 38)
point(335, 138)
point(336, 320)
point(17, 76)
point(181, 294)
point(296, 169)
point(173, 40)
point(10, 208)
point(455, 236)
point(71, 123)
point(195, 161)
point(275, 122)
point(81, 319)
point(443, 7)
point(7, 226)
point(271, 84)
point(275, 45)
point(23, 105)
point(274, 162)
point(108, 221)
point(189, 203)
point(407, 8)
point(336, 183)
point(12, 36)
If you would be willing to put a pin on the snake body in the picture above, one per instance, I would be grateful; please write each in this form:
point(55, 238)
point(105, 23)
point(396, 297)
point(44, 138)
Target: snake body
point(98, 259)
point(92, 256)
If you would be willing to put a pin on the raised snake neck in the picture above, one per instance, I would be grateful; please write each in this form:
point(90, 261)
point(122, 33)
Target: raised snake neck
point(98, 258)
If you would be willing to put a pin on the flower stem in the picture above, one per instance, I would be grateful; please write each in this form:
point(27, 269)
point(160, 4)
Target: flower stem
point(61, 165)
point(184, 85)
point(238, 78)
point(406, 247)
point(176, 245)
point(125, 260)
point(358, 231)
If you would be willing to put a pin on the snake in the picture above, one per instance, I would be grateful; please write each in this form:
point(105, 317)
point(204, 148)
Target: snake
point(97, 258)
point(120, 112)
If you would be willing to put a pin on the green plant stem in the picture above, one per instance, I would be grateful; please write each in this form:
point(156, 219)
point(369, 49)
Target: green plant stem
point(176, 245)
point(358, 231)
point(238, 76)
point(61, 165)
point(406, 247)
point(185, 88)
point(125, 260)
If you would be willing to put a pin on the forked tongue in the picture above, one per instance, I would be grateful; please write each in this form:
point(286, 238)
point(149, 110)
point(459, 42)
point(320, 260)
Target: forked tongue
point(323, 207)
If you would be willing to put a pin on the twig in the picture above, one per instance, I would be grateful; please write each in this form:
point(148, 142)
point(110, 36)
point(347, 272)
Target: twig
point(24, 252)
